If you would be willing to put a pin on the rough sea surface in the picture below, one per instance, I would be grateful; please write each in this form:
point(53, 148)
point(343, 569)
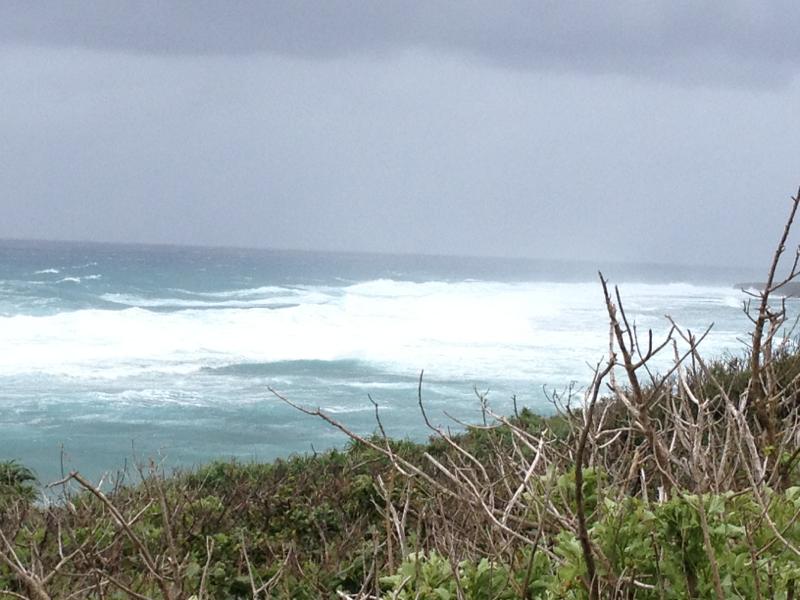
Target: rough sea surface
point(110, 352)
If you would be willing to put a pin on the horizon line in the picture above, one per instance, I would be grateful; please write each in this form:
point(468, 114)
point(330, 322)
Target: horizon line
point(515, 258)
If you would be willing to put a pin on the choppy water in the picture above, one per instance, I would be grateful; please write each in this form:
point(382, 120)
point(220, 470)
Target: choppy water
point(109, 350)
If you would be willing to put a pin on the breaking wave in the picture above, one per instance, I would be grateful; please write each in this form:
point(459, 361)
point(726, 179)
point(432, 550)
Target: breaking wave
point(469, 329)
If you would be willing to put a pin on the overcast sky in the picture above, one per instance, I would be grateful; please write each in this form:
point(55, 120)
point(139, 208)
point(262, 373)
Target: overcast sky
point(641, 131)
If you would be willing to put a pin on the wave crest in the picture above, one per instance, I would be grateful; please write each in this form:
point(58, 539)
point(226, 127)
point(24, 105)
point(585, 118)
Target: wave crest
point(467, 329)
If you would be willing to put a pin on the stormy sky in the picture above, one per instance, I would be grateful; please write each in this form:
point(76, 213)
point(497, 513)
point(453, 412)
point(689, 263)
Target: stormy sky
point(657, 131)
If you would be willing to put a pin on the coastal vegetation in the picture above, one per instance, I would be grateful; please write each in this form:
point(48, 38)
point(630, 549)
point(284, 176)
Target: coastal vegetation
point(679, 483)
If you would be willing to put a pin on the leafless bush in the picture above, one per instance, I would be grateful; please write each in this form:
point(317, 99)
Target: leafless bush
point(653, 435)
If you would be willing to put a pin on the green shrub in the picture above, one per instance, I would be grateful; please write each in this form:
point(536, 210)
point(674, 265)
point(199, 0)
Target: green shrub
point(17, 484)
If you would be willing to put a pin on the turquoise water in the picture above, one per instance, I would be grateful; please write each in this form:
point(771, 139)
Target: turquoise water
point(110, 352)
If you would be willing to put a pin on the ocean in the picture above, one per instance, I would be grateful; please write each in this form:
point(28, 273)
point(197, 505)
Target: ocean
point(111, 354)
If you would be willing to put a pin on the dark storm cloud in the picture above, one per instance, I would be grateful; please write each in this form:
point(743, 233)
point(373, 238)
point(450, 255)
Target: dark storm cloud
point(736, 41)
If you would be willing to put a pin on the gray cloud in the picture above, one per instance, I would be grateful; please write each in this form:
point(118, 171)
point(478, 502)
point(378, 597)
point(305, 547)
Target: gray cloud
point(741, 42)
point(548, 130)
point(415, 153)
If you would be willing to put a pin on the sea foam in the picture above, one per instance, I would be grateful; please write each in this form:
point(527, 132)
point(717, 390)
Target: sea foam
point(467, 329)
